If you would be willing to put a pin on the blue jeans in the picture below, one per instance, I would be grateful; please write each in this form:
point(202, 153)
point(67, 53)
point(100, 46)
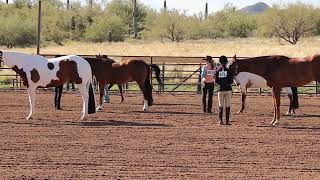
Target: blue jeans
point(106, 93)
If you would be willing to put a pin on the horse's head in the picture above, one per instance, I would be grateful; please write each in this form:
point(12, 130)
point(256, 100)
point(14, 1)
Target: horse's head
point(234, 66)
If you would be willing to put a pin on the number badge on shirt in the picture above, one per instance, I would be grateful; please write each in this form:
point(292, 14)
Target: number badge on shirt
point(222, 74)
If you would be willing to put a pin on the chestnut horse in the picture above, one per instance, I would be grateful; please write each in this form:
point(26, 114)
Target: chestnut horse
point(38, 71)
point(280, 72)
point(107, 71)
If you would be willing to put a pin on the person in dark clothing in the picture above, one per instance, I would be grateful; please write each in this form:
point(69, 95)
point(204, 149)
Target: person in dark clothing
point(57, 97)
point(224, 79)
point(207, 75)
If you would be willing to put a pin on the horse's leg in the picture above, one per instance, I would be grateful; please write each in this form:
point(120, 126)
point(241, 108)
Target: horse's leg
point(32, 97)
point(84, 91)
point(290, 111)
point(101, 91)
point(120, 89)
point(243, 99)
point(276, 98)
point(145, 99)
point(289, 93)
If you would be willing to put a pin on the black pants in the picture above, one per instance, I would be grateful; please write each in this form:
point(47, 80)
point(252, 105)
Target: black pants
point(207, 89)
point(57, 96)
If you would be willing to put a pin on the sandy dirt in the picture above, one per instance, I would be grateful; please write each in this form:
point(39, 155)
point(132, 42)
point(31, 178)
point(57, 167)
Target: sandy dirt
point(173, 140)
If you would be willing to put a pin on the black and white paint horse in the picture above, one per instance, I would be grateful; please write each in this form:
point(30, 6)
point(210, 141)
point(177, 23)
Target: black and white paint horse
point(38, 71)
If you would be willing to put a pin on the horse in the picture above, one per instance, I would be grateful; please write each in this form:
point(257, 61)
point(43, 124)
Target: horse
point(246, 80)
point(38, 71)
point(279, 72)
point(108, 71)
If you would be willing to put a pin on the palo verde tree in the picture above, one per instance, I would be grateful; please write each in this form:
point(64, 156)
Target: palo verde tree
point(290, 23)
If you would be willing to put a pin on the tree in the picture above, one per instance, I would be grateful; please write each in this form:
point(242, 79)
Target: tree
point(124, 10)
point(104, 26)
point(289, 24)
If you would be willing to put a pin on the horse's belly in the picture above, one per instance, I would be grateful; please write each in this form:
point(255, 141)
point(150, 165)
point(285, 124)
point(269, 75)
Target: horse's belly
point(250, 80)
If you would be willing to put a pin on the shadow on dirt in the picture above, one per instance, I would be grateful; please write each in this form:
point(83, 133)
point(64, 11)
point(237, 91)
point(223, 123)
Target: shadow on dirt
point(167, 112)
point(120, 123)
point(317, 128)
point(307, 116)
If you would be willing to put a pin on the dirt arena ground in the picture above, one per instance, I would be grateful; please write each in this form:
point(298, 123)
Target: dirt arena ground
point(173, 140)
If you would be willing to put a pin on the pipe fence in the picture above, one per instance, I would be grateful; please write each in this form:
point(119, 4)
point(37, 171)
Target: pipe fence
point(176, 77)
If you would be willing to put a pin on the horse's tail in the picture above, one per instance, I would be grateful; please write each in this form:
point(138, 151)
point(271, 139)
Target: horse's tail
point(148, 86)
point(295, 100)
point(157, 72)
point(92, 102)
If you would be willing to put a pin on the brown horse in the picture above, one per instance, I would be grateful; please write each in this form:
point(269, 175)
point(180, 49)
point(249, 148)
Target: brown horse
point(107, 71)
point(279, 72)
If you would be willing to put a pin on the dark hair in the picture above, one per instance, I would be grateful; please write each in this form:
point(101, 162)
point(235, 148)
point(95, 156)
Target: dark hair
point(223, 60)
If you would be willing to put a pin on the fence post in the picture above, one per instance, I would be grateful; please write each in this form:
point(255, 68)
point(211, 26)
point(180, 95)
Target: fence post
point(151, 62)
point(260, 91)
point(199, 82)
point(163, 70)
point(316, 88)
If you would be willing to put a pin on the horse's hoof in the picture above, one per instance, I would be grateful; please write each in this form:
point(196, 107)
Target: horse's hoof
point(288, 113)
point(99, 109)
point(274, 122)
point(240, 111)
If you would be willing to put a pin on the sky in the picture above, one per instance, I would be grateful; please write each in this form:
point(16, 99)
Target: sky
point(196, 6)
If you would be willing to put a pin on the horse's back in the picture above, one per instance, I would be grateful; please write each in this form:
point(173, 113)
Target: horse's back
point(72, 67)
point(250, 80)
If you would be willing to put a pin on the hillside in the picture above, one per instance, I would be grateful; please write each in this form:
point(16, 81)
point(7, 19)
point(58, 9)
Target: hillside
point(255, 9)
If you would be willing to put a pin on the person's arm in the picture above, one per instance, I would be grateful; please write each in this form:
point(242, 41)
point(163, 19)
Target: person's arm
point(203, 73)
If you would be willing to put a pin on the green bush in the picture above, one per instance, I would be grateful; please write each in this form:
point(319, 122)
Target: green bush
point(16, 31)
point(99, 31)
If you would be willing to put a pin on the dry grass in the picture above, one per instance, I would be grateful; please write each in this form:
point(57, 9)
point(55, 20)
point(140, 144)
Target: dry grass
point(241, 47)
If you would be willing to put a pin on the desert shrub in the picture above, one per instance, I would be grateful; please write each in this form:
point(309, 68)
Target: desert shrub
point(99, 31)
point(16, 31)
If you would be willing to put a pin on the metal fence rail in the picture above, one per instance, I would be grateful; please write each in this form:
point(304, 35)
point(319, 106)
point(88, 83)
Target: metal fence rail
point(176, 77)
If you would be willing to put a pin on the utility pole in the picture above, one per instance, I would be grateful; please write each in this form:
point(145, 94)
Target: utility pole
point(7, 1)
point(135, 20)
point(165, 5)
point(90, 3)
point(39, 28)
point(68, 4)
point(206, 11)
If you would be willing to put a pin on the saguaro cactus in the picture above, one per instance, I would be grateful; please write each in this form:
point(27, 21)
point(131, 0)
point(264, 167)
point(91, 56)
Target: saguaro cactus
point(135, 19)
point(206, 11)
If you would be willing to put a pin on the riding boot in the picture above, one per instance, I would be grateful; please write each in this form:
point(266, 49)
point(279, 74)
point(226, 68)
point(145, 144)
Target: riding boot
point(220, 115)
point(228, 115)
